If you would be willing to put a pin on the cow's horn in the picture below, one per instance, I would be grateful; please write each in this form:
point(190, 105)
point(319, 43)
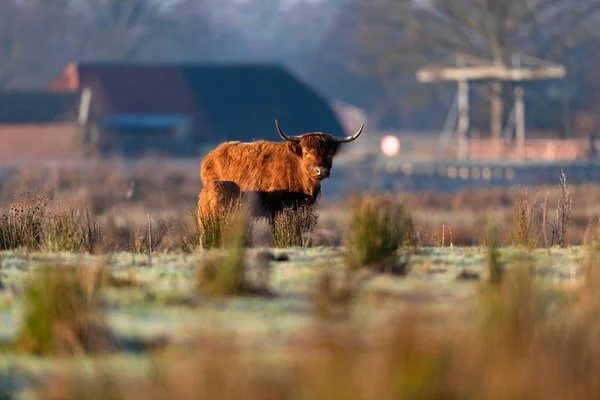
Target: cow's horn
point(350, 138)
point(284, 136)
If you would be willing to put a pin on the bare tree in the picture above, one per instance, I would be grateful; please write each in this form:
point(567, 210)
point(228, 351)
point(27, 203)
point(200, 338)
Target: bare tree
point(492, 29)
point(10, 47)
point(52, 36)
point(39, 37)
point(281, 31)
point(344, 66)
point(190, 30)
point(116, 29)
point(34, 41)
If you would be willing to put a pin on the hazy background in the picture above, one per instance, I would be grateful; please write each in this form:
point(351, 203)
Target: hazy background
point(362, 52)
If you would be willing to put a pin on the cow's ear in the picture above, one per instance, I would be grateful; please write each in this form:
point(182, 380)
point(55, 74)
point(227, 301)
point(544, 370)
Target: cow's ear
point(295, 148)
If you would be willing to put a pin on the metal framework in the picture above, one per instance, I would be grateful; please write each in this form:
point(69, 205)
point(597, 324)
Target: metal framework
point(465, 68)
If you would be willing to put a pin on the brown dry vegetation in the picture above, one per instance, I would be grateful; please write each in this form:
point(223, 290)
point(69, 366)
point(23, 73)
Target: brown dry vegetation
point(62, 314)
point(121, 198)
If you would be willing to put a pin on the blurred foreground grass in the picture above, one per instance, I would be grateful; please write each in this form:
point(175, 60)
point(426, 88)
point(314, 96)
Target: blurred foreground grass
point(153, 301)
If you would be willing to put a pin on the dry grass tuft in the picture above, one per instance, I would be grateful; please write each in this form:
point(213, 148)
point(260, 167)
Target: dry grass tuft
point(523, 233)
point(62, 315)
point(562, 223)
point(292, 224)
point(32, 224)
point(23, 225)
point(555, 232)
point(380, 234)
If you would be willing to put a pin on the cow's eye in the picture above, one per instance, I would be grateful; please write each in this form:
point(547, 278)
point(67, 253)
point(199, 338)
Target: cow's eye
point(307, 155)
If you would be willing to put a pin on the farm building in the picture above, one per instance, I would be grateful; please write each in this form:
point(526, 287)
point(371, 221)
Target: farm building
point(178, 109)
point(131, 109)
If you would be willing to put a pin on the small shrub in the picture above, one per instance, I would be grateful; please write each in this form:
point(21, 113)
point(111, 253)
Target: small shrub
point(31, 224)
point(92, 237)
point(559, 228)
point(378, 229)
point(66, 230)
point(62, 232)
point(211, 230)
point(523, 231)
point(222, 275)
point(62, 313)
point(23, 225)
point(291, 225)
point(563, 214)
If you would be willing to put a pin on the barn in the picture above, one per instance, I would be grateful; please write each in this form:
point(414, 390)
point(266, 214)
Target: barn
point(180, 109)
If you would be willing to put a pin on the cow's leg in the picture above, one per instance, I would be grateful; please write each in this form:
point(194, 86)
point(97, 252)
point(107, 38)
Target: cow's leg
point(217, 197)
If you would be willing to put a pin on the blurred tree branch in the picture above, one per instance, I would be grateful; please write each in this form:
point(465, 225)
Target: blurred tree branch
point(189, 31)
point(9, 46)
point(116, 29)
point(39, 37)
point(34, 40)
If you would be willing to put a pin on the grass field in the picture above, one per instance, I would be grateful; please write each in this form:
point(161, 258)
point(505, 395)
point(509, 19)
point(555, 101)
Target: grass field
point(105, 293)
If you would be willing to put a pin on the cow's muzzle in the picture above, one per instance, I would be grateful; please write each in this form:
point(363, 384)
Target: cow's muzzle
point(321, 172)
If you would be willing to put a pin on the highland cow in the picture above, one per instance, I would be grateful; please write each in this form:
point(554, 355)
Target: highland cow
point(272, 175)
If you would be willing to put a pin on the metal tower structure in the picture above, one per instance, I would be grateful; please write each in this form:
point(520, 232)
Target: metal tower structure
point(464, 69)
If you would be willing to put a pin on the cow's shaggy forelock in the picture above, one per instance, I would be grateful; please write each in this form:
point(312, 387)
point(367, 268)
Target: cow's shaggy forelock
point(322, 144)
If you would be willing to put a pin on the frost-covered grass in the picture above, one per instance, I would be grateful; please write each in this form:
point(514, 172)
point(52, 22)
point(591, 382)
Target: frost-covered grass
point(169, 281)
point(155, 299)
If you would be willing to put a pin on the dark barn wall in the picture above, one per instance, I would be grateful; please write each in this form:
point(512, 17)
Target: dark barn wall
point(243, 101)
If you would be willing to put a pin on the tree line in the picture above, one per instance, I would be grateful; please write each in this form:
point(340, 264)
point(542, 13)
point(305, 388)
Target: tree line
point(364, 52)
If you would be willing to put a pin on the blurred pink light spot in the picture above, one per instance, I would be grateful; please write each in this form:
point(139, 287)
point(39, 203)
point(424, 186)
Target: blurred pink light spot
point(390, 145)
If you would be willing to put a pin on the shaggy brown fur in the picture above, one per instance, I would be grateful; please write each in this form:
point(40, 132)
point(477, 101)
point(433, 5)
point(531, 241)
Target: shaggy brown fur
point(277, 174)
point(217, 196)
